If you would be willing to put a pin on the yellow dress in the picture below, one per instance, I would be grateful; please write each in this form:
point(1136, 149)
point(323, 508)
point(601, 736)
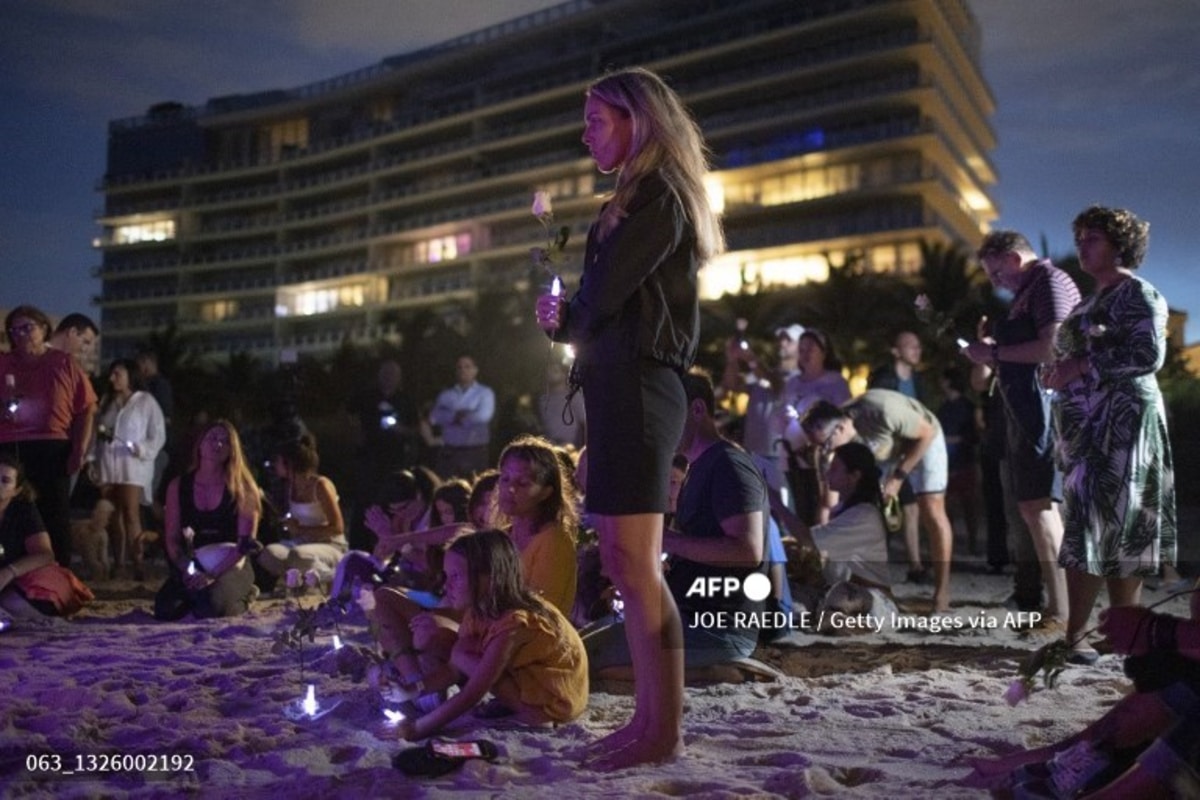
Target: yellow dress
point(548, 670)
point(548, 565)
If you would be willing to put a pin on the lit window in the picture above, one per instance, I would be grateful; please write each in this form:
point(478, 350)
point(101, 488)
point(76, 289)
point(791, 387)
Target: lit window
point(443, 248)
point(159, 231)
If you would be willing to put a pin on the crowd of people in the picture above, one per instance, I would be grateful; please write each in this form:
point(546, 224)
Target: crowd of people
point(474, 568)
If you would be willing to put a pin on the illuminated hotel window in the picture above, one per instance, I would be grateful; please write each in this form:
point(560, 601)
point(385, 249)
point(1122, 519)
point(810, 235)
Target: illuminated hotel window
point(443, 248)
point(289, 134)
point(726, 273)
point(307, 302)
point(218, 310)
point(159, 231)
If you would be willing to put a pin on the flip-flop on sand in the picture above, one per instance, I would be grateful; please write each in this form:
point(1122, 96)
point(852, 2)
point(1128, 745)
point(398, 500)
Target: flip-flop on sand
point(437, 757)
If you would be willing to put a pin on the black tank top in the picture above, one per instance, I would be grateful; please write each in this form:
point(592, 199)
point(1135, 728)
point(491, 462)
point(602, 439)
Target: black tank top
point(212, 527)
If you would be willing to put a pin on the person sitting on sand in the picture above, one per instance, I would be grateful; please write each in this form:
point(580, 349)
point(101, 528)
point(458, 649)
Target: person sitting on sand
point(211, 524)
point(1147, 745)
point(852, 546)
point(511, 643)
point(718, 534)
point(536, 497)
point(405, 505)
point(32, 585)
point(314, 533)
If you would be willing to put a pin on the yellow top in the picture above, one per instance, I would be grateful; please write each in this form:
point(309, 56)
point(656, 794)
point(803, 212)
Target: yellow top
point(549, 567)
point(548, 670)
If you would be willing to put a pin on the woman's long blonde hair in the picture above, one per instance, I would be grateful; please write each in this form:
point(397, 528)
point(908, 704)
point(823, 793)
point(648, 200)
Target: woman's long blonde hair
point(238, 478)
point(665, 139)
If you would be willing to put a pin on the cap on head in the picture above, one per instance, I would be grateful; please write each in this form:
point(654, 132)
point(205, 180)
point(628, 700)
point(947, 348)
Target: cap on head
point(792, 332)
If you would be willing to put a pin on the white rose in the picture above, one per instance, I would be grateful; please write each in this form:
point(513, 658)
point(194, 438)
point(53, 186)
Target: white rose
point(923, 303)
point(189, 535)
point(293, 579)
point(541, 204)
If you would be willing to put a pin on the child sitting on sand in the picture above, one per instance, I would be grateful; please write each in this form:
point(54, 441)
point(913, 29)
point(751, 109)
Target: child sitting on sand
point(510, 643)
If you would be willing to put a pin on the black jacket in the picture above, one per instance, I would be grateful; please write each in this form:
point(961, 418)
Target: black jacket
point(638, 297)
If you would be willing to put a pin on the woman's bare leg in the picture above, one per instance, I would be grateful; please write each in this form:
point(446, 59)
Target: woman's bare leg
point(631, 548)
point(127, 499)
point(1082, 590)
point(116, 528)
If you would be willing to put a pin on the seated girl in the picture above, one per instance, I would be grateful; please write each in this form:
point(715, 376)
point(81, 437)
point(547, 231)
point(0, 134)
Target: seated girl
point(31, 584)
point(853, 545)
point(313, 530)
point(539, 502)
point(510, 643)
point(211, 522)
point(405, 506)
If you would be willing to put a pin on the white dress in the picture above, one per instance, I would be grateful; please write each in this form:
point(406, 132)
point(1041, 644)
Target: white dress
point(137, 433)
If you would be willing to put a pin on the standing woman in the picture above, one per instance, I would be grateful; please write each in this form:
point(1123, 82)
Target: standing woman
point(1119, 484)
point(211, 520)
point(635, 325)
point(129, 433)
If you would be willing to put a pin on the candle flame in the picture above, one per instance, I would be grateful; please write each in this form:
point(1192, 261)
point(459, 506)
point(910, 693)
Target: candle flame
point(337, 642)
point(393, 717)
point(310, 701)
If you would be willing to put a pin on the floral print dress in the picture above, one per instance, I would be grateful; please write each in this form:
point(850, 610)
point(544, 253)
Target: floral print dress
point(1118, 480)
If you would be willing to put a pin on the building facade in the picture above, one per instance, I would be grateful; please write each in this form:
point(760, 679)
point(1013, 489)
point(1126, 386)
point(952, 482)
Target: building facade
point(297, 219)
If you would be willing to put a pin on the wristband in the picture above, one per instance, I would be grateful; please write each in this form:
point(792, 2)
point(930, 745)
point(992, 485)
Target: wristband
point(900, 474)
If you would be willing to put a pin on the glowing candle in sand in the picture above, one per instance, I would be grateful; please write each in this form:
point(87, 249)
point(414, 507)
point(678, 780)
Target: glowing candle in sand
point(310, 701)
point(191, 568)
point(392, 716)
point(337, 642)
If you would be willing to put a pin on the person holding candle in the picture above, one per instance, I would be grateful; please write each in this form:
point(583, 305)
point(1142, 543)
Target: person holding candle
point(635, 325)
point(212, 518)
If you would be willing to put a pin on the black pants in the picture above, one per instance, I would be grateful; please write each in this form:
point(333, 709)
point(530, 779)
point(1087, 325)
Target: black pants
point(45, 463)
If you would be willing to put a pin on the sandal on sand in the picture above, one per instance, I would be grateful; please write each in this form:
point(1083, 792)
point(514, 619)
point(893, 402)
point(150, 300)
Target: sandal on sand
point(437, 757)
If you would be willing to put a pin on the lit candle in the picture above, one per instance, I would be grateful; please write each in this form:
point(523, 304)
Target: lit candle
point(393, 717)
point(337, 642)
point(310, 701)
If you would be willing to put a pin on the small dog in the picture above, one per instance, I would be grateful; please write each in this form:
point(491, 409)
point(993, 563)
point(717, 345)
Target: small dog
point(89, 538)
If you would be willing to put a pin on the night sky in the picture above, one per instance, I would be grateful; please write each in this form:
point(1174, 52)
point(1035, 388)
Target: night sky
point(1097, 101)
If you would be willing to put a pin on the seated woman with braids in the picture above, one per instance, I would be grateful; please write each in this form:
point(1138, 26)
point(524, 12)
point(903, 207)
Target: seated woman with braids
point(852, 546)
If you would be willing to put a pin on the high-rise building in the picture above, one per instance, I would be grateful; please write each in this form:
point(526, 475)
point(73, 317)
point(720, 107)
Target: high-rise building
point(294, 219)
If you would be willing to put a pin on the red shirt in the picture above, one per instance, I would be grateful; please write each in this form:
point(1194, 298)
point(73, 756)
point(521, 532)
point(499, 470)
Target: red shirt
point(52, 390)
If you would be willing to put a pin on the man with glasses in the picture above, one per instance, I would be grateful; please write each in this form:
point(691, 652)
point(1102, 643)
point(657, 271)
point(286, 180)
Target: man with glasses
point(46, 419)
point(1042, 297)
point(908, 443)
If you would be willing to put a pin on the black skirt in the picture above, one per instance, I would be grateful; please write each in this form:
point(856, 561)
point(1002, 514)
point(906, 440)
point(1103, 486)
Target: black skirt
point(635, 416)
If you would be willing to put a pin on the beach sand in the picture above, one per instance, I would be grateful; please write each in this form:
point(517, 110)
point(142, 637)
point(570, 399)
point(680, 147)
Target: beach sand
point(891, 714)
